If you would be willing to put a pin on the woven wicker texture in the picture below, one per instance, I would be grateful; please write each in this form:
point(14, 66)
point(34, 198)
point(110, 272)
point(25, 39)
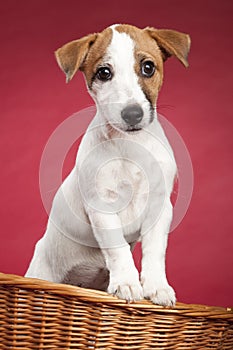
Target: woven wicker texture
point(37, 314)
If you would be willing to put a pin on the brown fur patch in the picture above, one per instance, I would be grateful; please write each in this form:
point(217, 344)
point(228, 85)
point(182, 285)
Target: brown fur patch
point(95, 55)
point(84, 54)
point(71, 56)
point(145, 49)
point(171, 43)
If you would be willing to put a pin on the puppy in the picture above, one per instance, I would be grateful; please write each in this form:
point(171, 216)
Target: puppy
point(119, 190)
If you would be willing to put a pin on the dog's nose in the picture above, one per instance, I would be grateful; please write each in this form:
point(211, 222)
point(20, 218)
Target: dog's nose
point(132, 114)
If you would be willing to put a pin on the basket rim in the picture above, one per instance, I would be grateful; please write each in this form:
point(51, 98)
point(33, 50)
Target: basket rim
point(95, 296)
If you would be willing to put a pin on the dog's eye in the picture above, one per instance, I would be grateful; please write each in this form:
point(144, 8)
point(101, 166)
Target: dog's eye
point(104, 73)
point(147, 69)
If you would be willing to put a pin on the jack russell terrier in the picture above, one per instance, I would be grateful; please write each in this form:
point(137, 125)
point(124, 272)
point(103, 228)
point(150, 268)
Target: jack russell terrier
point(119, 190)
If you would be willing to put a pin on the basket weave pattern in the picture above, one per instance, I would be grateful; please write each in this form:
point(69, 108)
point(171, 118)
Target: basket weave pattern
point(36, 314)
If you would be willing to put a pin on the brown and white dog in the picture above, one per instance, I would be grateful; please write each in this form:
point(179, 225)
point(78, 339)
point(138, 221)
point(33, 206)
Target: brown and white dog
point(119, 190)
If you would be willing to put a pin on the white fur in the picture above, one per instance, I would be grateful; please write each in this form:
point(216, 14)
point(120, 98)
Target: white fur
point(117, 193)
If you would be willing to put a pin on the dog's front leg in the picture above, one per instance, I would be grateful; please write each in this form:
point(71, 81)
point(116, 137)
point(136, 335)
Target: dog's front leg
point(153, 274)
point(123, 275)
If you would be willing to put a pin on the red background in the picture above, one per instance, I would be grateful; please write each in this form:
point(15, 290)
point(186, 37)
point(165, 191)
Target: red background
point(197, 101)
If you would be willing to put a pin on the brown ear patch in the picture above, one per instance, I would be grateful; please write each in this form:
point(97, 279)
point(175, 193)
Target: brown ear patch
point(171, 43)
point(157, 44)
point(71, 56)
point(84, 54)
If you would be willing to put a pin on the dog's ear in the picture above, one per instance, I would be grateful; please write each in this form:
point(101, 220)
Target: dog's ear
point(171, 43)
point(71, 56)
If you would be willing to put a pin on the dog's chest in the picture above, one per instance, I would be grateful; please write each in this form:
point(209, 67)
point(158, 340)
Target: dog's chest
point(123, 185)
point(121, 178)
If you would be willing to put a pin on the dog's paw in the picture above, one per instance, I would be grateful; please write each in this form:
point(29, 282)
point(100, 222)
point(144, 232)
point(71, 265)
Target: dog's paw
point(159, 294)
point(126, 291)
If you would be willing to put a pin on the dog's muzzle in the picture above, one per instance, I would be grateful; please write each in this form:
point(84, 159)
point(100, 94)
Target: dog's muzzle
point(132, 114)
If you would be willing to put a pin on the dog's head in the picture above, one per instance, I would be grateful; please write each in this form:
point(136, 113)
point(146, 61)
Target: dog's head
point(123, 67)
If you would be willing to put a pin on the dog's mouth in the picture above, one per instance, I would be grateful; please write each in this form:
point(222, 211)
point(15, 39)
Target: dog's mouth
point(129, 129)
point(133, 129)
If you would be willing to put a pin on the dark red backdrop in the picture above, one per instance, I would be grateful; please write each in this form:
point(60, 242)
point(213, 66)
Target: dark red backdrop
point(198, 101)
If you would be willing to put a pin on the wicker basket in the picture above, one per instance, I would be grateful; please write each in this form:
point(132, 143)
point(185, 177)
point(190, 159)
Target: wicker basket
point(36, 314)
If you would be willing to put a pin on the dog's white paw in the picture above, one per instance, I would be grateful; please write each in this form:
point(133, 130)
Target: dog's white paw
point(126, 290)
point(159, 294)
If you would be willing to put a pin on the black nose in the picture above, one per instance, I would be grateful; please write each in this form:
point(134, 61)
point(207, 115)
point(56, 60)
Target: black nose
point(132, 114)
